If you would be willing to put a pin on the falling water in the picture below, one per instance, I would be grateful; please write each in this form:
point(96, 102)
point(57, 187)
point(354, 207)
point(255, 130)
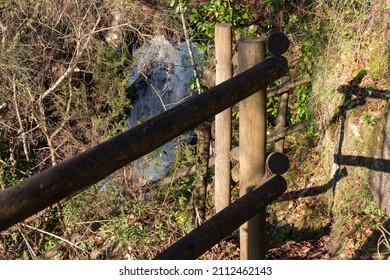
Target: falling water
point(160, 81)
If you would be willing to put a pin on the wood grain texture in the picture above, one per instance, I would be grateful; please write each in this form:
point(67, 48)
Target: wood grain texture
point(252, 140)
point(223, 120)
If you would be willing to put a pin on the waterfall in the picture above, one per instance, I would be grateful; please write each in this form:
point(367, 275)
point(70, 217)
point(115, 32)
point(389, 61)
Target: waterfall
point(160, 81)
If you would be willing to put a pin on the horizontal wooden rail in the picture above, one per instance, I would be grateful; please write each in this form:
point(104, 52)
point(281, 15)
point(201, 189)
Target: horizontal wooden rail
point(289, 85)
point(201, 239)
point(274, 136)
point(81, 171)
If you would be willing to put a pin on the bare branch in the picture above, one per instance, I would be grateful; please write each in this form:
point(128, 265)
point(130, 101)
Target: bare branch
point(154, 89)
point(67, 116)
point(8, 126)
point(137, 30)
point(33, 255)
point(3, 30)
point(78, 52)
point(190, 52)
point(21, 128)
point(55, 236)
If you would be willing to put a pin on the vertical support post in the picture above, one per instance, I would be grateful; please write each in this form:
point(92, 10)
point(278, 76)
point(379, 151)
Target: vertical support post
point(281, 117)
point(223, 120)
point(252, 137)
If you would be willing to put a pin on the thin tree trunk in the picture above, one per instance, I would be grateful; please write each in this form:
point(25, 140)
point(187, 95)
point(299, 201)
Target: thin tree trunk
point(201, 174)
point(203, 133)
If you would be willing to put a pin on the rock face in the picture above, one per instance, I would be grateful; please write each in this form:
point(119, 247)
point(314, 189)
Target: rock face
point(379, 175)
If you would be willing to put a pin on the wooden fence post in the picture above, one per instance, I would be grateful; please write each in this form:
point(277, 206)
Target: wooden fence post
point(223, 121)
point(252, 137)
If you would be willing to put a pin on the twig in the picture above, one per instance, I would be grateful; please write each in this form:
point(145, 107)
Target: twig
point(198, 219)
point(33, 256)
point(190, 52)
point(7, 126)
point(383, 230)
point(66, 117)
point(178, 102)
point(154, 89)
point(383, 239)
point(3, 29)
point(124, 25)
point(92, 222)
point(45, 159)
point(21, 128)
point(55, 236)
point(73, 63)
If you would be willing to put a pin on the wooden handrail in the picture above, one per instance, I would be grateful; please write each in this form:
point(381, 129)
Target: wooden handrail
point(201, 239)
point(81, 171)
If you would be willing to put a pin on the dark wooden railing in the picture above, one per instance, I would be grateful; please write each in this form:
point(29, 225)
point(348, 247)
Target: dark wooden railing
point(79, 172)
point(201, 239)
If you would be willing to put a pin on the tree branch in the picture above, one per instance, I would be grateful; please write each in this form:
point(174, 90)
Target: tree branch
point(78, 52)
point(154, 89)
point(66, 117)
point(3, 30)
point(190, 52)
point(55, 236)
point(21, 128)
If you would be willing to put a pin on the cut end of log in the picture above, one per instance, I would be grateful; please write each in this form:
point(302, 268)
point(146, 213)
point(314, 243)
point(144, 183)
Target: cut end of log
point(236, 173)
point(278, 163)
point(277, 43)
point(235, 153)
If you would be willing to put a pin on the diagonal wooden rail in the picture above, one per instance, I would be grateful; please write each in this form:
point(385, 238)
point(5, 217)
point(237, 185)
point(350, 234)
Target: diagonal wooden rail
point(81, 171)
point(201, 239)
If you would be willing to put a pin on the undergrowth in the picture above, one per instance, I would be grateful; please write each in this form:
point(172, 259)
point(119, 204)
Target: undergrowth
point(330, 40)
